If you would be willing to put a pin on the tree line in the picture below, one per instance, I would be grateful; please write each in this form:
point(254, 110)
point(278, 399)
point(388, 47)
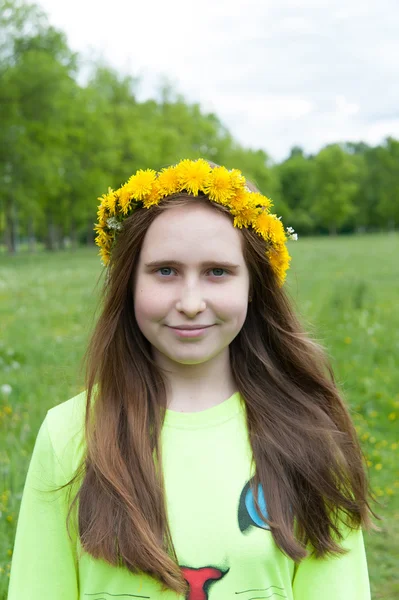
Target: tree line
point(63, 142)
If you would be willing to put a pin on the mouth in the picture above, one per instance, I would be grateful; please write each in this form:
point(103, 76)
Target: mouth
point(190, 327)
point(191, 332)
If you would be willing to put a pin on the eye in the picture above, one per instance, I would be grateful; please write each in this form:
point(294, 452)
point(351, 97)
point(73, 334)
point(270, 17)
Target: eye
point(163, 269)
point(219, 269)
point(247, 514)
point(218, 275)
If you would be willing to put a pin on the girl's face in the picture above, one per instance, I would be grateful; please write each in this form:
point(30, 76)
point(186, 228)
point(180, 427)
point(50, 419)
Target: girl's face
point(189, 283)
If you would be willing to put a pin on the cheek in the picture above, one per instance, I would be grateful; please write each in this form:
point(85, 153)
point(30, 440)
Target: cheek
point(148, 306)
point(234, 311)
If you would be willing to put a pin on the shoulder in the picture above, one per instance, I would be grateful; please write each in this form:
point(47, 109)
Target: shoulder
point(65, 424)
point(67, 417)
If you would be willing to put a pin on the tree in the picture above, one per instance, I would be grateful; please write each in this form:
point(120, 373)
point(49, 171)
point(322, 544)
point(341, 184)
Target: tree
point(335, 187)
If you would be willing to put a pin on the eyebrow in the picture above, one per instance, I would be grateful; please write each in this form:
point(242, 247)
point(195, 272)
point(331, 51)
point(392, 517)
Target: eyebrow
point(178, 263)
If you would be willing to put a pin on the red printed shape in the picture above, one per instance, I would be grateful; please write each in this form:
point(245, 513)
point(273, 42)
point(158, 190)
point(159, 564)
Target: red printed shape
point(197, 578)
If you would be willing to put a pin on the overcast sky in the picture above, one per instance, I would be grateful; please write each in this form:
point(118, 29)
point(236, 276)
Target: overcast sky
point(278, 73)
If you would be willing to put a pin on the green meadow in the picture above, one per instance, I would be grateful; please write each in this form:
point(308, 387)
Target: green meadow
point(347, 292)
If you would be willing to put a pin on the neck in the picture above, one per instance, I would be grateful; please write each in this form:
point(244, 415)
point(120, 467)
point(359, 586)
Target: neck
point(191, 388)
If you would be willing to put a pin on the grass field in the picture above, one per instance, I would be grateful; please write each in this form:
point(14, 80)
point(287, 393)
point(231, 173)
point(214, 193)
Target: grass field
point(347, 291)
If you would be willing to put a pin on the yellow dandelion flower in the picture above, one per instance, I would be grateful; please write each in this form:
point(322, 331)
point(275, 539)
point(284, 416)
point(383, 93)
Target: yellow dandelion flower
point(237, 180)
point(219, 188)
point(110, 200)
point(193, 175)
point(245, 216)
point(102, 214)
point(141, 183)
point(239, 201)
point(105, 256)
point(98, 239)
point(155, 195)
point(279, 259)
point(392, 416)
point(168, 181)
point(125, 194)
point(264, 201)
point(270, 228)
point(378, 467)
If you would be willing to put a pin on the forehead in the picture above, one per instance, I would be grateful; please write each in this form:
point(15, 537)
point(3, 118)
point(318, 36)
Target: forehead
point(192, 230)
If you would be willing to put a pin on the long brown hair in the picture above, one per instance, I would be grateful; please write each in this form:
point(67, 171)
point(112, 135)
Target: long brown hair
point(305, 448)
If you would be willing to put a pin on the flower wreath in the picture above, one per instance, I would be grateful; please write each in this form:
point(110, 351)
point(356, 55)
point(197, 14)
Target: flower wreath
point(147, 188)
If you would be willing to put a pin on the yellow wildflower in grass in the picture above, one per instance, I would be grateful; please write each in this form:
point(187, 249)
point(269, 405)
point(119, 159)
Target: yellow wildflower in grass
point(193, 175)
point(394, 446)
point(141, 183)
point(369, 463)
point(219, 188)
point(378, 467)
point(365, 436)
point(168, 181)
point(392, 416)
point(389, 491)
point(348, 340)
point(7, 410)
point(9, 518)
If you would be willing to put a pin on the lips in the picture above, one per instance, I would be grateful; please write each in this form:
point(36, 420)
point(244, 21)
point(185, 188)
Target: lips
point(190, 327)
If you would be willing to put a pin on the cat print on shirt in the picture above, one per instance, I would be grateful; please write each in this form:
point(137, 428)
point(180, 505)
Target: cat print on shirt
point(203, 581)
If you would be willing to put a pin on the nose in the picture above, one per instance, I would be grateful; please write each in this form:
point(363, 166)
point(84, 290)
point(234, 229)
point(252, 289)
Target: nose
point(198, 578)
point(191, 301)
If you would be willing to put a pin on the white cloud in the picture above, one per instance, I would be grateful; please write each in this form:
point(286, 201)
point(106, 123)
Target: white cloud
point(376, 132)
point(346, 108)
point(266, 108)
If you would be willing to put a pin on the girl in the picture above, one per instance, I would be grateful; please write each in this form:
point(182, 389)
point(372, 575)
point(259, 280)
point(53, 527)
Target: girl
point(211, 455)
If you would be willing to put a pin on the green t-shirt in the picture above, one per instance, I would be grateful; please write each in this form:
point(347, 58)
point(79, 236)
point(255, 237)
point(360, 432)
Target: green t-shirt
point(224, 549)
